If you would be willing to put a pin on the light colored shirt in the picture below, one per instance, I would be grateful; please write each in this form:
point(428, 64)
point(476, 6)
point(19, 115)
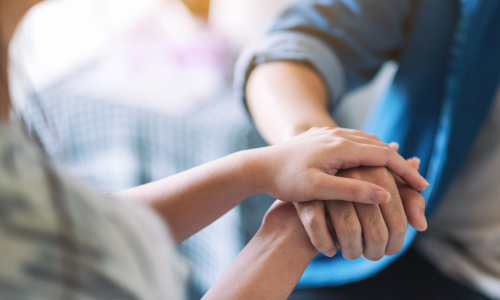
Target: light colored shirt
point(61, 240)
point(463, 238)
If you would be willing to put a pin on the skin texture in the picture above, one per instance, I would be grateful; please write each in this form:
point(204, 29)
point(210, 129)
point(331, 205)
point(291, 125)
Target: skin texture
point(287, 98)
point(265, 264)
point(300, 170)
point(297, 171)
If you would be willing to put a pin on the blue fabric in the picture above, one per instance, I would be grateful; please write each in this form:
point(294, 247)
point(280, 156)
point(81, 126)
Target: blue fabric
point(449, 57)
point(294, 46)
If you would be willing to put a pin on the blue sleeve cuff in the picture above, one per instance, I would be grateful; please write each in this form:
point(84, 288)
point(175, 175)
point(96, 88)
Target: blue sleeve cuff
point(293, 46)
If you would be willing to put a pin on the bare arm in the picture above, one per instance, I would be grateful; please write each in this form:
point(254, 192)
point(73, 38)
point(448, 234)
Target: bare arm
point(295, 91)
point(191, 200)
point(287, 98)
point(298, 170)
point(271, 264)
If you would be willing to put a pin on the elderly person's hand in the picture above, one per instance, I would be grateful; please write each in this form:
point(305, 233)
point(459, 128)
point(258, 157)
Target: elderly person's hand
point(382, 226)
point(263, 269)
point(303, 169)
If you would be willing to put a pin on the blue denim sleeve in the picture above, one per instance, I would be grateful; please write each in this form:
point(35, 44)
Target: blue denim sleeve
point(346, 41)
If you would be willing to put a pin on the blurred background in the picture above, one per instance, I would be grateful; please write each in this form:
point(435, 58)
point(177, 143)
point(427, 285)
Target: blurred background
point(123, 92)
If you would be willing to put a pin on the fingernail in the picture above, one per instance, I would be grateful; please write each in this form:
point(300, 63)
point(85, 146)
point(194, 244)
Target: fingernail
point(330, 253)
point(422, 215)
point(381, 196)
point(416, 158)
point(395, 144)
point(391, 254)
point(422, 190)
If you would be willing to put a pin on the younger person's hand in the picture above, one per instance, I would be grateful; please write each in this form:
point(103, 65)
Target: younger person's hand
point(282, 219)
point(304, 168)
point(272, 263)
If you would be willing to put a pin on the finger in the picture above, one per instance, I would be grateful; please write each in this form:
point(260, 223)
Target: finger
point(374, 230)
point(326, 187)
point(347, 228)
point(413, 201)
point(414, 162)
point(312, 215)
point(394, 146)
point(414, 206)
point(361, 139)
point(370, 151)
point(395, 220)
point(372, 156)
point(276, 203)
point(331, 230)
point(359, 133)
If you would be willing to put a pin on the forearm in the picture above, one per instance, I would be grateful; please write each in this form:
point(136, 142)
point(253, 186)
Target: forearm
point(268, 268)
point(286, 98)
point(193, 199)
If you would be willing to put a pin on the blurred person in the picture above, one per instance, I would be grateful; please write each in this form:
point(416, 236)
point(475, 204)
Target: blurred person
point(442, 106)
point(62, 240)
point(199, 7)
point(154, 100)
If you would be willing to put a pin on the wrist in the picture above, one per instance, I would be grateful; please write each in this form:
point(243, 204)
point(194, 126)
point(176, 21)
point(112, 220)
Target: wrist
point(294, 130)
point(282, 225)
point(287, 237)
point(297, 128)
point(255, 171)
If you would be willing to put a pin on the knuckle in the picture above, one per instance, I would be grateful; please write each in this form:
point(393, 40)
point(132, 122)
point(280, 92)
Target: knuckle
point(374, 217)
point(343, 143)
point(310, 220)
point(351, 229)
point(381, 171)
point(379, 237)
point(398, 228)
point(351, 251)
point(307, 210)
point(343, 212)
point(388, 151)
point(336, 130)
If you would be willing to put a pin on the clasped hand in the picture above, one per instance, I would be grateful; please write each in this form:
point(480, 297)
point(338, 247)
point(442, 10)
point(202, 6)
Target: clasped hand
point(348, 185)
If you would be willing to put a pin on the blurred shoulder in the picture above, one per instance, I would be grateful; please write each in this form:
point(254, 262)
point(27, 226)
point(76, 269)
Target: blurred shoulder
point(60, 237)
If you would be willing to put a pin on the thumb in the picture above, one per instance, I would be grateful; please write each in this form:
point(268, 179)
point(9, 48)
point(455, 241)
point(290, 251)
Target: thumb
point(328, 187)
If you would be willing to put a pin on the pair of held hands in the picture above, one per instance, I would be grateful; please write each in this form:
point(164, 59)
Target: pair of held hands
point(347, 185)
